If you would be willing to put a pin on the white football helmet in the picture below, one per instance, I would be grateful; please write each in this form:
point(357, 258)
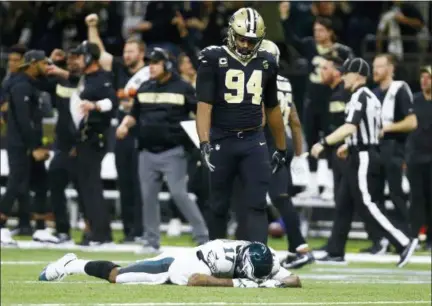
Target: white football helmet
point(271, 47)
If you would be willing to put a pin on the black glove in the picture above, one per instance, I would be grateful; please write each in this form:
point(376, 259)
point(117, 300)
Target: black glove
point(206, 148)
point(278, 160)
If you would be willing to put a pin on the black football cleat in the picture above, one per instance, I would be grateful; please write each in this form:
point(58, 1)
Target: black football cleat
point(298, 260)
point(331, 260)
point(407, 253)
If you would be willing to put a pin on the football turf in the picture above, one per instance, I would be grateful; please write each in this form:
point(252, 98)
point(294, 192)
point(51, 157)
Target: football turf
point(354, 284)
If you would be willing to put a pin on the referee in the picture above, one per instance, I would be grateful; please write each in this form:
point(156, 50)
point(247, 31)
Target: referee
point(398, 121)
point(358, 186)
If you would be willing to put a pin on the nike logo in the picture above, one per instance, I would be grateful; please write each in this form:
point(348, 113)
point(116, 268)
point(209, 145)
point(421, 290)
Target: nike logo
point(262, 143)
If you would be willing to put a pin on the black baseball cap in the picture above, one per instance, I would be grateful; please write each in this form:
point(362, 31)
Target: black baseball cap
point(427, 69)
point(356, 65)
point(86, 48)
point(157, 55)
point(33, 56)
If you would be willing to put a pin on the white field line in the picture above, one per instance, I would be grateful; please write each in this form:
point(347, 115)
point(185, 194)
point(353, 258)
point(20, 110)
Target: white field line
point(350, 257)
point(347, 282)
point(32, 263)
point(230, 303)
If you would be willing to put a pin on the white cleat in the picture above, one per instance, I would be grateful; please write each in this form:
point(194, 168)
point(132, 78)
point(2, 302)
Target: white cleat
point(6, 238)
point(56, 271)
point(45, 235)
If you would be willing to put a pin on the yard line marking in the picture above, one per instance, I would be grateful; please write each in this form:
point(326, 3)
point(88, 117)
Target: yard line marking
point(350, 257)
point(378, 271)
point(229, 303)
point(29, 263)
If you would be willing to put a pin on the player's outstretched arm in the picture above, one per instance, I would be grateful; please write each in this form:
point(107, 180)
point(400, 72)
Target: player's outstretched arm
point(203, 280)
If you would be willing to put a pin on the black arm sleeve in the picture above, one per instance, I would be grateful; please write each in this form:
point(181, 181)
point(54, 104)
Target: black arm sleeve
point(48, 84)
point(404, 100)
point(190, 99)
point(270, 93)
point(135, 112)
point(21, 108)
point(206, 81)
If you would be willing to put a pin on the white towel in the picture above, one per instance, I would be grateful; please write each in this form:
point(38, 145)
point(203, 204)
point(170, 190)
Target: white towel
point(138, 78)
point(75, 104)
point(388, 105)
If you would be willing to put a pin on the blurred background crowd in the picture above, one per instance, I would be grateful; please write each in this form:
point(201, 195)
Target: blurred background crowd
point(402, 28)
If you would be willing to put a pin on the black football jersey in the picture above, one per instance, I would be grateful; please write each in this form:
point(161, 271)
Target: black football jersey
point(307, 47)
point(236, 89)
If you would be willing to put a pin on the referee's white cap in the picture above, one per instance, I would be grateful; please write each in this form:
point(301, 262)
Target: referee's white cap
point(356, 65)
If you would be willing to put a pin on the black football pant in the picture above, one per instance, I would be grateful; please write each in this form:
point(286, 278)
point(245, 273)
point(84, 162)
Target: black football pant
point(358, 191)
point(63, 169)
point(89, 163)
point(278, 192)
point(420, 178)
point(126, 159)
point(392, 159)
point(25, 174)
point(338, 166)
point(245, 155)
point(18, 183)
point(39, 185)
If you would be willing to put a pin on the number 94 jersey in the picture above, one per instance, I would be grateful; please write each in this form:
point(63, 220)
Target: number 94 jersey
point(235, 88)
point(221, 255)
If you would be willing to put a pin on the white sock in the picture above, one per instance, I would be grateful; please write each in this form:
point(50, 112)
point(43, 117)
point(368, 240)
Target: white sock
point(76, 266)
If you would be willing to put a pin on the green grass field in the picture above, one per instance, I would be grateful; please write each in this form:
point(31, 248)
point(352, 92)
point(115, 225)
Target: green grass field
point(355, 284)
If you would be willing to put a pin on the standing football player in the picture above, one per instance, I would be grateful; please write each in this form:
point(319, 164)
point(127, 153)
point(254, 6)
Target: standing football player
point(234, 83)
point(298, 250)
point(315, 104)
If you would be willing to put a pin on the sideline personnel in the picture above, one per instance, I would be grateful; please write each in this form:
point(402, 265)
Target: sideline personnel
point(358, 185)
point(24, 137)
point(159, 107)
point(92, 108)
point(419, 158)
point(128, 73)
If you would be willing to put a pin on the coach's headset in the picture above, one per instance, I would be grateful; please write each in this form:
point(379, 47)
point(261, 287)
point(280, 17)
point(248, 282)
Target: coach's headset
point(90, 51)
point(159, 54)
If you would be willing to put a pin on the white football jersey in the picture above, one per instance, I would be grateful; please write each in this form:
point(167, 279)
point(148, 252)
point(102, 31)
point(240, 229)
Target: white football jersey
point(284, 96)
point(221, 255)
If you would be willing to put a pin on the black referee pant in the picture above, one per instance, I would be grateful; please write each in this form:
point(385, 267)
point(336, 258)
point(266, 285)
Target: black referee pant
point(420, 178)
point(358, 190)
point(89, 163)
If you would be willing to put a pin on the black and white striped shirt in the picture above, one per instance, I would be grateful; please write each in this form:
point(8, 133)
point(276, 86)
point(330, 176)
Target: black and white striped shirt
point(364, 111)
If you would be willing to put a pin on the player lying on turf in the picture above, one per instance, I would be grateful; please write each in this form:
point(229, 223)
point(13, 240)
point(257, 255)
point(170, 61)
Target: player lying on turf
point(220, 263)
